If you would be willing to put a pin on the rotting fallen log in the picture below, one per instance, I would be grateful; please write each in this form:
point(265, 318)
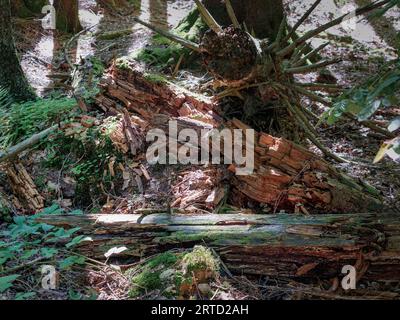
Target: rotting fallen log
point(287, 176)
point(283, 245)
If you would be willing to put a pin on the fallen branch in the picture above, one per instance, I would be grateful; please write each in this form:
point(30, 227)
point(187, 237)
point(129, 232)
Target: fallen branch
point(12, 152)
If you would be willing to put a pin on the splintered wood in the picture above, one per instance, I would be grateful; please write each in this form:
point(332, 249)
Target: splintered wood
point(286, 176)
point(26, 196)
point(197, 189)
point(148, 95)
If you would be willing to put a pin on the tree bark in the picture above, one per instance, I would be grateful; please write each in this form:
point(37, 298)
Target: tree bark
point(11, 76)
point(67, 16)
point(295, 246)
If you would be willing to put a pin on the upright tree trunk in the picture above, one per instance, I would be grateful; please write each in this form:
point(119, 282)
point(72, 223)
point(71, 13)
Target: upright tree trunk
point(261, 17)
point(27, 8)
point(11, 75)
point(68, 16)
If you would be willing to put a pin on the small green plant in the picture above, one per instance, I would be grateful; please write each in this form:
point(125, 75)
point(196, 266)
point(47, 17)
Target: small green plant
point(363, 101)
point(200, 259)
point(174, 275)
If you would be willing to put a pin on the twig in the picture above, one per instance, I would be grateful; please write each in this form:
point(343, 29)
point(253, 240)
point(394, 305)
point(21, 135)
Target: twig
point(313, 137)
point(310, 55)
point(302, 19)
point(26, 144)
point(312, 67)
point(70, 41)
point(208, 18)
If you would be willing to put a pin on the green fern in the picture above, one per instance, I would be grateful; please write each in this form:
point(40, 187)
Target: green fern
point(21, 120)
point(5, 99)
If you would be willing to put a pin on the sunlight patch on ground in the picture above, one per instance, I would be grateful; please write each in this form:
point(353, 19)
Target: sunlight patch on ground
point(88, 18)
point(37, 72)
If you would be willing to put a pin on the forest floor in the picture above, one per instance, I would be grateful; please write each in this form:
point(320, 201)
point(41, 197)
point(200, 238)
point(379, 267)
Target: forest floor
point(363, 51)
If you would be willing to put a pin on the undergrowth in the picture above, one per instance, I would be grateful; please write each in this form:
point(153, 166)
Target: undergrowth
point(21, 120)
point(85, 156)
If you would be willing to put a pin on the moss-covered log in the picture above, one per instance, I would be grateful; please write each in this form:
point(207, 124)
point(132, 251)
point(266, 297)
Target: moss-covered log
point(275, 245)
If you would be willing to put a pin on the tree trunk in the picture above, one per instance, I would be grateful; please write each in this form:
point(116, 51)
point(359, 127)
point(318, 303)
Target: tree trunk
point(67, 16)
point(11, 76)
point(295, 246)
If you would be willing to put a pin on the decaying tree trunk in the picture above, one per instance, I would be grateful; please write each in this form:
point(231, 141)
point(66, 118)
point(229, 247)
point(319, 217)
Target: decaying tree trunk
point(67, 16)
point(274, 245)
point(286, 177)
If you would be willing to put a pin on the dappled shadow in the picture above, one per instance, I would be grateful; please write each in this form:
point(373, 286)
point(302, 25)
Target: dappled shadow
point(383, 26)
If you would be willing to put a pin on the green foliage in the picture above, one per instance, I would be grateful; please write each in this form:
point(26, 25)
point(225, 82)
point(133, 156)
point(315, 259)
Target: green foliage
point(28, 240)
point(363, 101)
point(22, 120)
point(6, 100)
point(7, 281)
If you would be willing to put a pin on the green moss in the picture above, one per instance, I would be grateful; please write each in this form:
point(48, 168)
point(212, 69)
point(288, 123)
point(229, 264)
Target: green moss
point(155, 78)
point(149, 278)
point(111, 35)
point(144, 282)
point(165, 259)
